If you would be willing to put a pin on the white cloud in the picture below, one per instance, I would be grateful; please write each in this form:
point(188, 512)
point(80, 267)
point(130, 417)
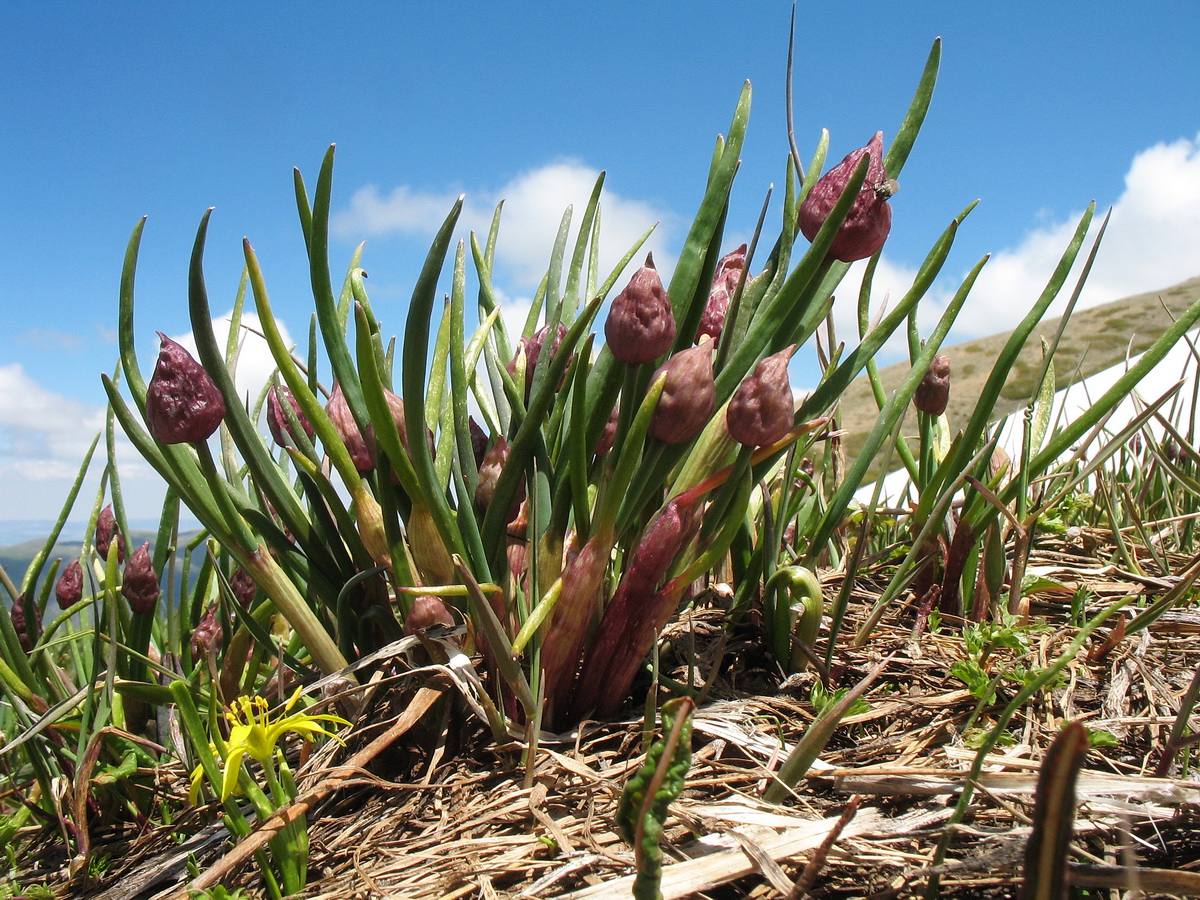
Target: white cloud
point(38, 424)
point(534, 202)
point(44, 437)
point(1151, 243)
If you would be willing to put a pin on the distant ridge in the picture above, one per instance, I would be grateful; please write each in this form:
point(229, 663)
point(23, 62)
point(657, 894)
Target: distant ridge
point(1095, 339)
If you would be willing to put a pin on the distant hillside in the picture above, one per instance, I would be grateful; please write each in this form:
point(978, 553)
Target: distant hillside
point(16, 558)
point(1095, 339)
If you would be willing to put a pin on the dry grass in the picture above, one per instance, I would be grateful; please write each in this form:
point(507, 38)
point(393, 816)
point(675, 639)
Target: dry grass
point(421, 804)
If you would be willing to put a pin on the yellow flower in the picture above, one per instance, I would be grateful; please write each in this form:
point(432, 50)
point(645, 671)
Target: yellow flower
point(253, 733)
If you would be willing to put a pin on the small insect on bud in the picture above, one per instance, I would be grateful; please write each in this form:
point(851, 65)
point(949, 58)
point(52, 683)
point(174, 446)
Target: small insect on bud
point(866, 226)
point(362, 453)
point(933, 393)
point(140, 582)
point(762, 410)
point(277, 420)
point(725, 282)
point(69, 589)
point(688, 397)
point(106, 529)
point(640, 326)
point(182, 403)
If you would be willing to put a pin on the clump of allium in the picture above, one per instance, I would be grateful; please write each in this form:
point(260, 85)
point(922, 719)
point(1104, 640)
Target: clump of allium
point(640, 326)
point(762, 410)
point(689, 395)
point(182, 403)
point(866, 226)
point(933, 393)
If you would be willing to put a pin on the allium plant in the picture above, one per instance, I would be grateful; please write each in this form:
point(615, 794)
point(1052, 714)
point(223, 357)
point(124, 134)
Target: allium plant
point(561, 495)
point(568, 561)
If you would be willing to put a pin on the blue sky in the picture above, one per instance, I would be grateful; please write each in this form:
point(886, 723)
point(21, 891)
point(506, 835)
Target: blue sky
point(115, 112)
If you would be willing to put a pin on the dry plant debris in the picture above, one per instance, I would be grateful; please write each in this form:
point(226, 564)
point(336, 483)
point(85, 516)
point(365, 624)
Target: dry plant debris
point(454, 816)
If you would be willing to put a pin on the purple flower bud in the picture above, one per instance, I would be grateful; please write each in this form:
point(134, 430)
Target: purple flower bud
point(277, 420)
point(725, 282)
point(69, 589)
point(532, 348)
point(866, 226)
point(493, 465)
point(28, 628)
point(426, 612)
point(640, 326)
point(479, 441)
point(207, 634)
point(489, 472)
point(243, 587)
point(396, 405)
point(182, 403)
point(933, 393)
point(761, 410)
point(140, 584)
point(1000, 462)
point(362, 454)
point(106, 529)
point(609, 435)
point(689, 395)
